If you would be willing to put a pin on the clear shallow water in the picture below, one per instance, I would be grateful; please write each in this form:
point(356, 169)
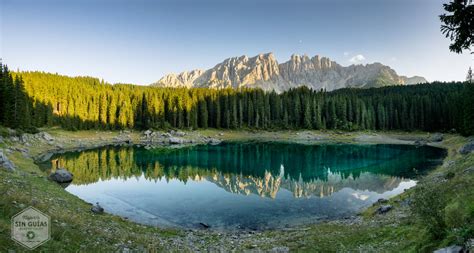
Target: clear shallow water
point(243, 185)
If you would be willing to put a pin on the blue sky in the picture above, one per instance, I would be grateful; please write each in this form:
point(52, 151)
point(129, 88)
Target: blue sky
point(140, 41)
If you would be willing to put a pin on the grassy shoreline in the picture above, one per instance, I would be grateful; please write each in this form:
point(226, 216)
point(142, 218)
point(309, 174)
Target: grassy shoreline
point(75, 228)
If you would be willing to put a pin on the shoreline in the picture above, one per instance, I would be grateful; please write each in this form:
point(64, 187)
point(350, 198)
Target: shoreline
point(83, 140)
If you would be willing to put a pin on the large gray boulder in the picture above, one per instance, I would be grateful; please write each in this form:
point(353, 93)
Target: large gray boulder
point(5, 162)
point(468, 148)
point(450, 249)
point(437, 137)
point(97, 209)
point(61, 176)
point(384, 209)
point(45, 136)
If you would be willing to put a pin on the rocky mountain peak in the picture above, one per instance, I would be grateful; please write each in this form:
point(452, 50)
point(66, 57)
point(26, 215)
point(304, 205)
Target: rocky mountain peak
point(264, 71)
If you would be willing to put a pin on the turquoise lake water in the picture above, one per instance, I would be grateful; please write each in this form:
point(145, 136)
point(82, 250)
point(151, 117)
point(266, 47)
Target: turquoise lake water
point(255, 185)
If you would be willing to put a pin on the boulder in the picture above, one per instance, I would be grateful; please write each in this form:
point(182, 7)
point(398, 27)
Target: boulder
point(383, 209)
point(213, 141)
point(469, 170)
point(468, 148)
point(179, 133)
point(437, 137)
point(450, 249)
point(204, 225)
point(167, 135)
point(175, 140)
point(5, 162)
point(61, 176)
point(147, 133)
point(382, 201)
point(45, 136)
point(97, 209)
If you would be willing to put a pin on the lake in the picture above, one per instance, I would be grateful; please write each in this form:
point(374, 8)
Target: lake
point(252, 185)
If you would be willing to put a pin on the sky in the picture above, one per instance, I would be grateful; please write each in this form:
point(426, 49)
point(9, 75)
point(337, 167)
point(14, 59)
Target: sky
point(139, 41)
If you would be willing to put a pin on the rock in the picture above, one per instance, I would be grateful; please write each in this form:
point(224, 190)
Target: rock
point(213, 141)
point(450, 249)
point(5, 162)
point(382, 201)
point(383, 209)
point(204, 225)
point(148, 132)
point(468, 170)
point(406, 202)
point(437, 137)
point(167, 135)
point(45, 136)
point(61, 176)
point(420, 142)
point(221, 134)
point(44, 157)
point(470, 245)
point(179, 133)
point(97, 209)
point(468, 148)
point(175, 140)
point(280, 249)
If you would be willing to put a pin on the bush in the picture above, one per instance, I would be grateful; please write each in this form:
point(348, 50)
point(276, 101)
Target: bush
point(4, 132)
point(456, 215)
point(429, 206)
point(31, 130)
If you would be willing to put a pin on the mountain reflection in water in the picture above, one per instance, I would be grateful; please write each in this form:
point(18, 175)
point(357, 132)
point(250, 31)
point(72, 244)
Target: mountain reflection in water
point(276, 171)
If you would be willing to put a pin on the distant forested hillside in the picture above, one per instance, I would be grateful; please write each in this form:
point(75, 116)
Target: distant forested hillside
point(37, 99)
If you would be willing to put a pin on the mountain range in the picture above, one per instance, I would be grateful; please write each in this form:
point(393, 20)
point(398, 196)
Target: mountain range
point(263, 71)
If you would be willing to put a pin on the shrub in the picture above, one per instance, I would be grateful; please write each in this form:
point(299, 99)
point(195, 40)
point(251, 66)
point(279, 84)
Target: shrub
point(429, 206)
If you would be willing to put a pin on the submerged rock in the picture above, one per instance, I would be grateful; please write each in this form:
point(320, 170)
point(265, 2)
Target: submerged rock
point(468, 148)
point(97, 209)
point(5, 162)
point(61, 176)
point(204, 225)
point(383, 209)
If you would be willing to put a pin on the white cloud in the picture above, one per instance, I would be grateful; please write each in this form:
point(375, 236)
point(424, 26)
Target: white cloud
point(346, 53)
point(393, 59)
point(357, 59)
